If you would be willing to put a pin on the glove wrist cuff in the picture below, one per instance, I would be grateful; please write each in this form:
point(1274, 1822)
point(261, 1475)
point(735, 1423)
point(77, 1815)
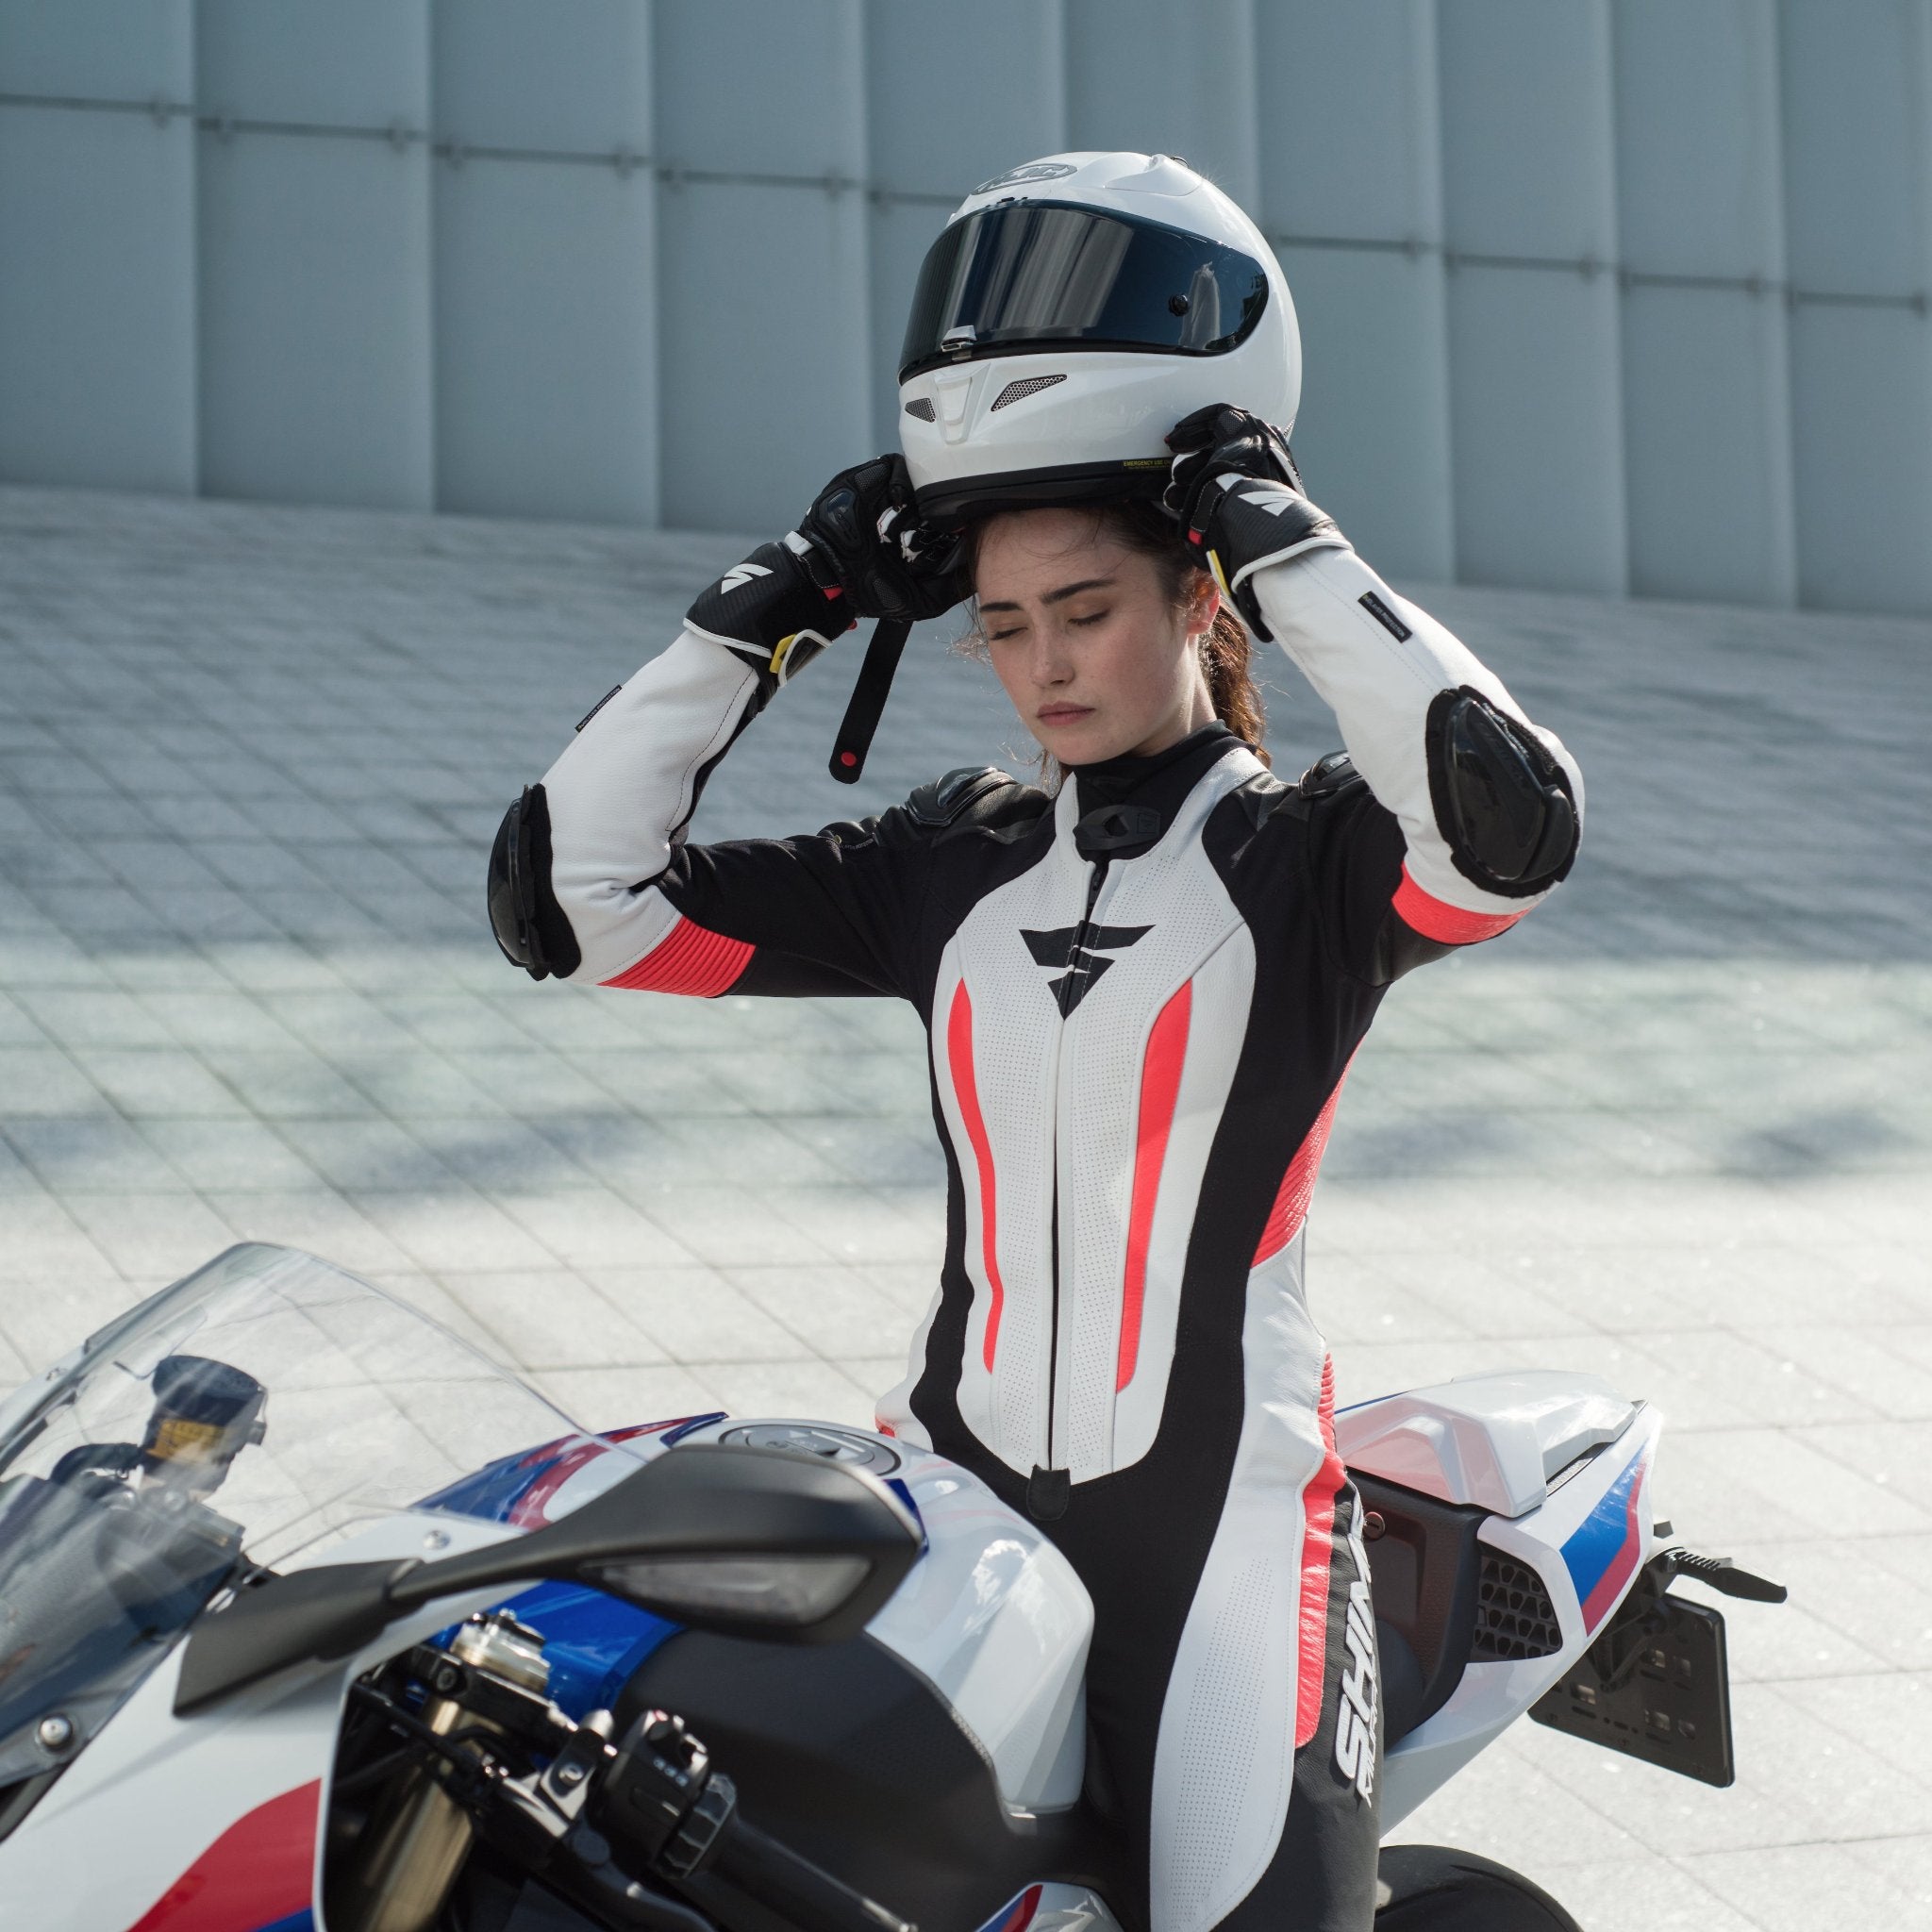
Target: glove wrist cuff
point(770, 611)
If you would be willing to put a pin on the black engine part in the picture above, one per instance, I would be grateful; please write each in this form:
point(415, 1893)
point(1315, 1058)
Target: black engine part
point(824, 1744)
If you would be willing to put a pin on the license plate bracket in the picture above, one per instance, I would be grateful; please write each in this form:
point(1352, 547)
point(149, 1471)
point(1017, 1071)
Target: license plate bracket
point(1654, 1686)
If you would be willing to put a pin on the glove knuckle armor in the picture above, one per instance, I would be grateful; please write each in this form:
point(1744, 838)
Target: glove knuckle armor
point(1502, 803)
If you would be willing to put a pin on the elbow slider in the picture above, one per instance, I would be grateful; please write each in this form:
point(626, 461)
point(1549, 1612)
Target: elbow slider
point(530, 926)
point(1503, 804)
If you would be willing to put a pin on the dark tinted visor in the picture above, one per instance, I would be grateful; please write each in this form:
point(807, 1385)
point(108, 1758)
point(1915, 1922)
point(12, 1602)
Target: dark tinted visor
point(1042, 275)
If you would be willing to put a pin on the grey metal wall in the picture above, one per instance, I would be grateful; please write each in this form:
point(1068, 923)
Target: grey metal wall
point(1601, 294)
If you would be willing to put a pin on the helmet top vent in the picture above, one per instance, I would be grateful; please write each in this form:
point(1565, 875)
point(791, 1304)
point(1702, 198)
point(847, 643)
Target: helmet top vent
point(1019, 392)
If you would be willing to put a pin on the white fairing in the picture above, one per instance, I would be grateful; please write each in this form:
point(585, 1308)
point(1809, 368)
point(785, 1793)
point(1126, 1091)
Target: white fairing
point(992, 1617)
point(1493, 1441)
point(1607, 1505)
point(162, 1789)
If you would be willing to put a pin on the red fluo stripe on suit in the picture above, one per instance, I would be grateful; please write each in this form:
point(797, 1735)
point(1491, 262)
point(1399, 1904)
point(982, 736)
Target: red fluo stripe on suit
point(260, 1871)
point(1449, 925)
point(687, 960)
point(1318, 1540)
point(1161, 1086)
point(1291, 1198)
point(965, 1086)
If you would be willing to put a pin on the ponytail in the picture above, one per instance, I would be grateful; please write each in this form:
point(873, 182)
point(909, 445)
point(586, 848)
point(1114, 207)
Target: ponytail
point(1227, 658)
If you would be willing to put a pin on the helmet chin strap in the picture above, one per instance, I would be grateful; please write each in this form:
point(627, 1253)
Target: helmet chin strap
point(868, 701)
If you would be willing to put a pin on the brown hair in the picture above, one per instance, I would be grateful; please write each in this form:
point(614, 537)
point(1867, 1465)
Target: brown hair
point(1226, 653)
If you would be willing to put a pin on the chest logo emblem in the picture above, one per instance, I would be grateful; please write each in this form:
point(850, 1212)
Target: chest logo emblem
point(1084, 963)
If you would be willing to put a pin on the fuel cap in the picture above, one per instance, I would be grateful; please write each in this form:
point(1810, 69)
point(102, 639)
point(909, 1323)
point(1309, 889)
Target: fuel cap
point(814, 1438)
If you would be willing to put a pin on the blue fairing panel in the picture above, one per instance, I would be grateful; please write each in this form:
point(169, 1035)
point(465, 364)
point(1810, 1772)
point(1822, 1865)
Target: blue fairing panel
point(593, 1641)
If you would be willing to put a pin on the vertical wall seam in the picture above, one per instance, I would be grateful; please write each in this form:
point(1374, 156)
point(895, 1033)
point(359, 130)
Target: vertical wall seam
point(1055, 12)
point(1425, 82)
point(1610, 215)
point(1782, 451)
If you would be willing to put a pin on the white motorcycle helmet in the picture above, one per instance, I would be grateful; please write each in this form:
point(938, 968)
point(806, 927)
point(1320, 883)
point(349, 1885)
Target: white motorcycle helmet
point(1071, 312)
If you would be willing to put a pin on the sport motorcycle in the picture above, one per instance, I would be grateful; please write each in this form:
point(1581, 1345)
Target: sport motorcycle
point(314, 1619)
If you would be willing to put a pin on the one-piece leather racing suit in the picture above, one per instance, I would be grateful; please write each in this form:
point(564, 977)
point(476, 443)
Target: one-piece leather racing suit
point(1142, 996)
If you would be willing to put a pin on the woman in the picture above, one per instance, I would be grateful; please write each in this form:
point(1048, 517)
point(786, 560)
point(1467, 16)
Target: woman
point(1142, 989)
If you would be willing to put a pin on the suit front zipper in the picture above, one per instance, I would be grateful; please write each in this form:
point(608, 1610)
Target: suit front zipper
point(1048, 1486)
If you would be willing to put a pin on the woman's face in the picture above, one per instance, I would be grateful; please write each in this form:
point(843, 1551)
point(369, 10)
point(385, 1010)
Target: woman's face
point(1094, 657)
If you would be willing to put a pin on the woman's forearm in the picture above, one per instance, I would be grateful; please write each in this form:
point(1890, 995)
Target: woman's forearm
point(625, 789)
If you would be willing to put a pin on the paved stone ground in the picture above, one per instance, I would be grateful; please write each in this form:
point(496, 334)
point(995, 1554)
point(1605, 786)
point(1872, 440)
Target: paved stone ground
point(1677, 1129)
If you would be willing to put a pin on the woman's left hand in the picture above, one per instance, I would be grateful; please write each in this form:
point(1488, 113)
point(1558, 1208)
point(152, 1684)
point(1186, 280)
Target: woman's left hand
point(1219, 439)
point(1237, 501)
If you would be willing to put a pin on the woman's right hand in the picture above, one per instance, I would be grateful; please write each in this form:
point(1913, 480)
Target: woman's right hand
point(859, 551)
point(865, 540)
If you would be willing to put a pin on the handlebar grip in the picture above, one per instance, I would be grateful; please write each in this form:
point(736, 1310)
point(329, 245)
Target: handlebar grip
point(778, 1876)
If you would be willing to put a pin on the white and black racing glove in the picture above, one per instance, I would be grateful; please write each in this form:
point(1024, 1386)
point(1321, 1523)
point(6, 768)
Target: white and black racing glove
point(859, 551)
point(1236, 496)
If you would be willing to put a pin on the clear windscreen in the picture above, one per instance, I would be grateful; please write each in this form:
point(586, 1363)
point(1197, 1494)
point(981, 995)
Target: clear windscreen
point(1051, 275)
point(253, 1413)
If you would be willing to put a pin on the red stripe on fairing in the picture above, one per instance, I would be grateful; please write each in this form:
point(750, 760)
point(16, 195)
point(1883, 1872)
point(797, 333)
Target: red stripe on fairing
point(687, 960)
point(1318, 1541)
point(1610, 1586)
point(260, 1871)
point(1291, 1198)
point(966, 1089)
point(1161, 1086)
point(1449, 925)
point(1022, 1915)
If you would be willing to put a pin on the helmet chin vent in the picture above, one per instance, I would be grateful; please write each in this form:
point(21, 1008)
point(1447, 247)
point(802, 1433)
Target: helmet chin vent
point(922, 408)
point(1019, 392)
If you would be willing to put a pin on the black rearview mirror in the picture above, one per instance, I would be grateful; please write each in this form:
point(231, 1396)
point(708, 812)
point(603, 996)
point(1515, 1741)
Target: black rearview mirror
point(753, 1542)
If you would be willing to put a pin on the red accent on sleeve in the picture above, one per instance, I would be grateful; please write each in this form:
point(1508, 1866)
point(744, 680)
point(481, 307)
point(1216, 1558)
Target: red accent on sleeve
point(1291, 1198)
point(687, 960)
point(966, 1089)
point(1318, 1542)
point(1449, 925)
point(1161, 1086)
point(260, 1871)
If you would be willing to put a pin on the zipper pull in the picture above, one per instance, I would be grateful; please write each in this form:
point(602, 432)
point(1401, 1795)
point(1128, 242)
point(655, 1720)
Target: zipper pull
point(1048, 1490)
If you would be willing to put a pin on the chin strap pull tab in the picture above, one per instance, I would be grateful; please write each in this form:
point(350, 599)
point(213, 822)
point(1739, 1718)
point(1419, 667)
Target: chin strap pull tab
point(868, 701)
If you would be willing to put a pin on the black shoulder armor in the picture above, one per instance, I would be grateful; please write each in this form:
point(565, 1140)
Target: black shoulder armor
point(973, 798)
point(1330, 777)
point(1332, 773)
point(1503, 804)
